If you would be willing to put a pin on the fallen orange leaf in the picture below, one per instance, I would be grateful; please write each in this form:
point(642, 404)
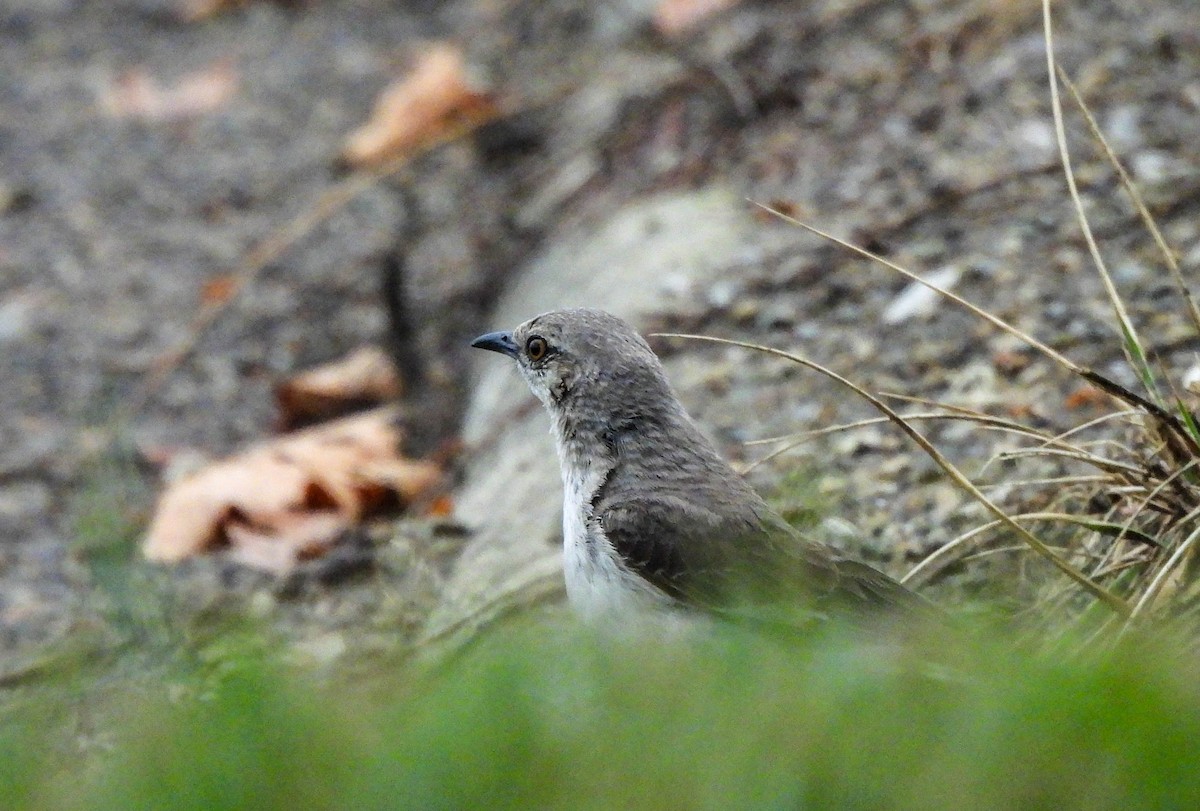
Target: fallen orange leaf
point(418, 109)
point(403, 475)
point(278, 542)
point(674, 17)
point(138, 95)
point(1085, 397)
point(218, 289)
point(300, 491)
point(1010, 363)
point(194, 11)
point(441, 507)
point(365, 376)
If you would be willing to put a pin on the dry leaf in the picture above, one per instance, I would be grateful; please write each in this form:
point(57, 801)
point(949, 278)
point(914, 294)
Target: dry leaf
point(194, 11)
point(674, 17)
point(300, 491)
point(1009, 363)
point(283, 540)
point(366, 376)
point(418, 109)
point(441, 507)
point(402, 475)
point(218, 289)
point(138, 95)
point(1085, 397)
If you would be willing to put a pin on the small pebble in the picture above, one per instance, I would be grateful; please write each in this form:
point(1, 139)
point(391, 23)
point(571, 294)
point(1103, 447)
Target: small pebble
point(919, 301)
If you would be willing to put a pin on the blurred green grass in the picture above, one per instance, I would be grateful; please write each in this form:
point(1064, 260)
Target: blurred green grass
point(545, 714)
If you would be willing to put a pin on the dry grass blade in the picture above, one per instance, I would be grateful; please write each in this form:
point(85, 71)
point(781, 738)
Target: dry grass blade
point(1052, 480)
point(1004, 550)
point(1113, 601)
point(956, 416)
point(1160, 577)
point(1116, 568)
point(945, 549)
point(796, 440)
point(1074, 454)
point(996, 321)
point(998, 424)
point(1107, 528)
point(1083, 426)
point(1177, 433)
point(1136, 196)
point(1149, 497)
point(1131, 343)
point(830, 429)
point(1058, 446)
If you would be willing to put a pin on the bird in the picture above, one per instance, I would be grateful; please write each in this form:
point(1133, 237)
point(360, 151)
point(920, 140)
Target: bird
point(655, 522)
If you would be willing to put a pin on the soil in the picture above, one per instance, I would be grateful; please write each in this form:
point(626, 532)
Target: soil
point(920, 130)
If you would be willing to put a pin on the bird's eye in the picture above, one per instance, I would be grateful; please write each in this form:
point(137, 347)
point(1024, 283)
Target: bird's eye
point(536, 347)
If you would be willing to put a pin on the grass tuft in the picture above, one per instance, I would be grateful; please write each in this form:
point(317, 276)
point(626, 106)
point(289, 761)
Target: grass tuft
point(1127, 494)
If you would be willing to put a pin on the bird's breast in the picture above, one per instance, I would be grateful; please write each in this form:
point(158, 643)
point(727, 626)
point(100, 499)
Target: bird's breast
point(599, 586)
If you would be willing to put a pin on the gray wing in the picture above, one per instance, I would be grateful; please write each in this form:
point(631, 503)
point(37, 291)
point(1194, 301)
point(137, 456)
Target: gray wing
point(682, 519)
point(702, 557)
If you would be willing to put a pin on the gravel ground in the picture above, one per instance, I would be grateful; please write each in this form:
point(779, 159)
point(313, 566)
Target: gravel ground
point(921, 130)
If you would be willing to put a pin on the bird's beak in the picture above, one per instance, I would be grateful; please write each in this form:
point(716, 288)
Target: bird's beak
point(501, 342)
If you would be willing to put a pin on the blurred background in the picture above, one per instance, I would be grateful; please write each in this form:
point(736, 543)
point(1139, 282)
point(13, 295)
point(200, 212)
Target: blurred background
point(247, 458)
point(199, 199)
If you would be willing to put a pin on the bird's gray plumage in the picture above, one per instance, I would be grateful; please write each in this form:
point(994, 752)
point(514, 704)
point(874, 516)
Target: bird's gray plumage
point(652, 514)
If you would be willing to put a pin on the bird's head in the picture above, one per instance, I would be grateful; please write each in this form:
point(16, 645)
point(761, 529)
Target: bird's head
point(578, 358)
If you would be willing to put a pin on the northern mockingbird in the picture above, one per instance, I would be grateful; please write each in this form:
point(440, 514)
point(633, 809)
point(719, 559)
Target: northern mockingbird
point(653, 518)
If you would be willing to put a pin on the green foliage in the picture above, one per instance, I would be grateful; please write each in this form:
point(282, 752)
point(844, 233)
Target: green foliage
point(108, 522)
point(547, 715)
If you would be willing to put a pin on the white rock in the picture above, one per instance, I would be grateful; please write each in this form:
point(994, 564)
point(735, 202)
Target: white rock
point(1191, 378)
point(917, 300)
point(1124, 128)
point(1152, 166)
point(1037, 135)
